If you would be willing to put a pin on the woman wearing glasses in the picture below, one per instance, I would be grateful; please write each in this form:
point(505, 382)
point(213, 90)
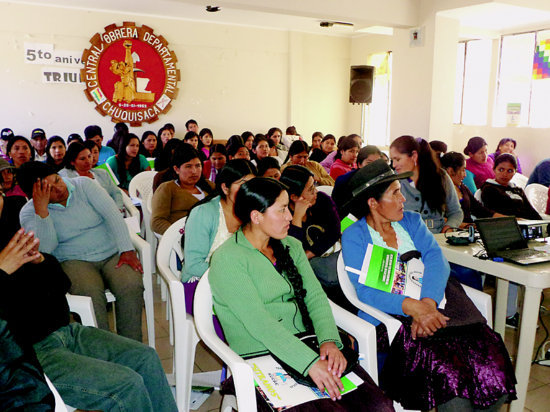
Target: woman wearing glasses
point(503, 196)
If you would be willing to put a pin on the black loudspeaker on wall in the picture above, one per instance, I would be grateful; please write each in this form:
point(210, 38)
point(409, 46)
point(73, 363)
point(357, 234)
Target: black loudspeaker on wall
point(360, 84)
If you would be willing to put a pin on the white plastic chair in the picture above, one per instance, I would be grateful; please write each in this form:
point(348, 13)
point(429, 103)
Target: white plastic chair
point(481, 300)
point(520, 180)
point(245, 400)
point(538, 197)
point(326, 189)
point(185, 336)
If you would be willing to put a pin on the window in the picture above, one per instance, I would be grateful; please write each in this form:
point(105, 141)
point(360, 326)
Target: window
point(472, 82)
point(524, 80)
point(376, 116)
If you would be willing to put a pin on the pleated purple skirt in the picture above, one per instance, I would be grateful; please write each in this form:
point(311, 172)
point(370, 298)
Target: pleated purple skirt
point(469, 362)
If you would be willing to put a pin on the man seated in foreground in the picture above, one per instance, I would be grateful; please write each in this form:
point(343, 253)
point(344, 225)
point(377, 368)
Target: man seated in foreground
point(92, 369)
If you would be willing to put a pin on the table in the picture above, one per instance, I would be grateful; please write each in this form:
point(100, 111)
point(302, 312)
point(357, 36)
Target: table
point(535, 278)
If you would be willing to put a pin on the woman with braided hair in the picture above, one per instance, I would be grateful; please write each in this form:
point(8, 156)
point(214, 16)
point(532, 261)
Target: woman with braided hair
point(265, 293)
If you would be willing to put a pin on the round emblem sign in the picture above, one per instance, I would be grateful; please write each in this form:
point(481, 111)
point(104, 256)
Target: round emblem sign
point(130, 74)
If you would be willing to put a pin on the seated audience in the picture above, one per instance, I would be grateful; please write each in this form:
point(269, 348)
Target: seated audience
point(367, 155)
point(298, 154)
point(248, 140)
point(237, 150)
point(328, 143)
point(173, 200)
point(78, 223)
point(128, 162)
point(541, 173)
point(95, 134)
point(206, 140)
point(78, 162)
point(276, 149)
point(5, 135)
point(330, 158)
point(429, 191)
point(8, 185)
point(91, 369)
point(149, 146)
point(163, 164)
point(346, 157)
point(260, 148)
point(94, 150)
point(192, 126)
point(269, 167)
point(39, 143)
point(454, 164)
point(19, 151)
point(290, 136)
point(171, 129)
point(316, 139)
point(55, 152)
point(265, 293)
point(479, 163)
point(506, 145)
point(165, 135)
point(213, 220)
point(502, 196)
point(215, 163)
point(192, 138)
point(447, 359)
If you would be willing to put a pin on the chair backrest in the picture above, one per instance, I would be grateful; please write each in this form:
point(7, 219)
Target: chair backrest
point(325, 189)
point(141, 184)
point(185, 335)
point(538, 196)
point(392, 324)
point(169, 249)
point(520, 180)
point(241, 371)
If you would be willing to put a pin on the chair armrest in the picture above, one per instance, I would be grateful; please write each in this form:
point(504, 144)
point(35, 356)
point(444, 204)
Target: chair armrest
point(82, 305)
point(143, 248)
point(364, 333)
point(482, 301)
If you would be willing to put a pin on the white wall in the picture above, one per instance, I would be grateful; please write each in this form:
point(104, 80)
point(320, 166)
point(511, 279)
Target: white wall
point(233, 78)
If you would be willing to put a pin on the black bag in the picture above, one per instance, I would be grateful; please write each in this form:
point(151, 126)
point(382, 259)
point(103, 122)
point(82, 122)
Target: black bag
point(310, 339)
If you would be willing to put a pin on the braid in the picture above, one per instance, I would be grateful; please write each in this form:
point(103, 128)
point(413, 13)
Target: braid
point(286, 264)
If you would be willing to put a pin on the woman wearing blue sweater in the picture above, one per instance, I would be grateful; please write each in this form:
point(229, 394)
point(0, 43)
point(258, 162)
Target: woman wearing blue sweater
point(447, 358)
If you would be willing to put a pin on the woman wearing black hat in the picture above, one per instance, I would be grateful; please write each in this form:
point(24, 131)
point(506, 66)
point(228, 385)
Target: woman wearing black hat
point(449, 358)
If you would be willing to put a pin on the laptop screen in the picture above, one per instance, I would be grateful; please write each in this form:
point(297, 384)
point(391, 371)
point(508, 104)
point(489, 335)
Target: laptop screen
point(500, 233)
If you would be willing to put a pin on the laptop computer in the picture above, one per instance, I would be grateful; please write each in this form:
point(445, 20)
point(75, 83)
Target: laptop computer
point(502, 238)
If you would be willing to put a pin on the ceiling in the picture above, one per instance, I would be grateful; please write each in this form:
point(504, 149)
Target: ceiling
point(494, 17)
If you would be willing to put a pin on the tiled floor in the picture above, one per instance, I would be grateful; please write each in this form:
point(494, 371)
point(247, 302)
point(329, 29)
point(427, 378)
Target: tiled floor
point(538, 396)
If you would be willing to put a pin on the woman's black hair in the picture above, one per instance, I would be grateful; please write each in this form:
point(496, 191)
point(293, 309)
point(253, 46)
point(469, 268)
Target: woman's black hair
point(90, 144)
point(430, 177)
point(267, 163)
point(165, 157)
point(328, 137)
point(272, 131)
point(506, 157)
point(49, 158)
point(234, 139)
point(121, 156)
point(72, 153)
point(144, 151)
point(346, 143)
point(246, 135)
point(454, 160)
point(297, 147)
point(259, 194)
point(257, 139)
point(74, 136)
point(504, 141)
point(232, 171)
point(185, 153)
point(295, 177)
point(121, 130)
point(14, 139)
point(217, 148)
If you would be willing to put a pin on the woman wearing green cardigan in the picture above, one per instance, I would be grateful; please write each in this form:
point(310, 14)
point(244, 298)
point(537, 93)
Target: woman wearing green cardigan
point(265, 292)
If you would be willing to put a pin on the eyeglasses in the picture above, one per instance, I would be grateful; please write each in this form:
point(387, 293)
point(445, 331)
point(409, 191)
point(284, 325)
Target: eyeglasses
point(502, 170)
